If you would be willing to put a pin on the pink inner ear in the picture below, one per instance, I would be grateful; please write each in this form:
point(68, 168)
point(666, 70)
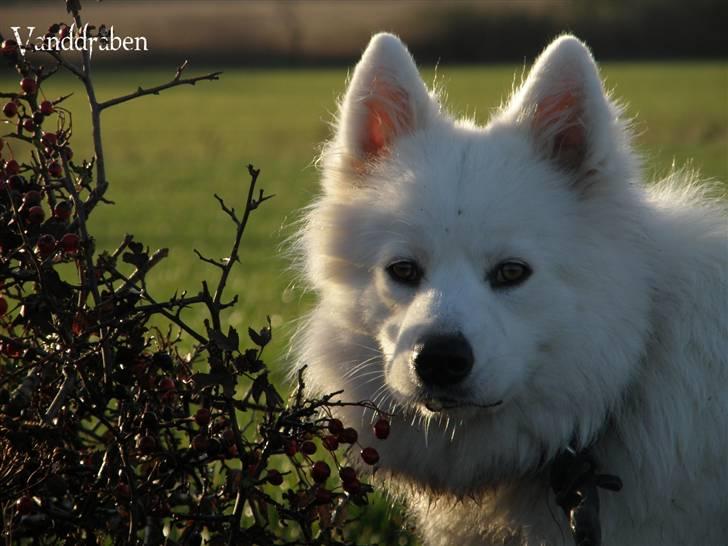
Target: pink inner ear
point(557, 118)
point(388, 115)
point(554, 107)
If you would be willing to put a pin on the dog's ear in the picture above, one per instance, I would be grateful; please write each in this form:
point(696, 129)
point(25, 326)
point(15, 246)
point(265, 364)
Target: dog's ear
point(386, 99)
point(564, 106)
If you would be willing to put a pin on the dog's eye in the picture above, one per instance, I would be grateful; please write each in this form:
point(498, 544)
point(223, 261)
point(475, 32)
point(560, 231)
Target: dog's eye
point(405, 272)
point(509, 273)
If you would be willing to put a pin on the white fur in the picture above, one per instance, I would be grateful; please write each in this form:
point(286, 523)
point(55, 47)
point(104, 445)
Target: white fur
point(618, 338)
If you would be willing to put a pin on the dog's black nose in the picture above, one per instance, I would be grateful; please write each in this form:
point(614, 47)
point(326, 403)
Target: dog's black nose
point(443, 360)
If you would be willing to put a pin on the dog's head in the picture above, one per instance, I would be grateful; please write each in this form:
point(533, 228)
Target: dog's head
point(484, 284)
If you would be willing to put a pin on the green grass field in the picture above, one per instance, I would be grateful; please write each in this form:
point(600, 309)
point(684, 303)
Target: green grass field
point(167, 155)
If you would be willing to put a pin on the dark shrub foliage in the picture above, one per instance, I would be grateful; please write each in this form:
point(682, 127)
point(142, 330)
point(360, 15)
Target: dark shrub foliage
point(110, 432)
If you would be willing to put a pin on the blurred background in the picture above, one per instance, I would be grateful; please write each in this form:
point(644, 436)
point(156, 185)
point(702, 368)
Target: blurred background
point(285, 64)
point(316, 32)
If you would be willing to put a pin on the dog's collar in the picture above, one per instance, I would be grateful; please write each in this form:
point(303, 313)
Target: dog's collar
point(574, 481)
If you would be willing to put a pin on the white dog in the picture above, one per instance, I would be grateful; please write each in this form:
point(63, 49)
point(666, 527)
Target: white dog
point(512, 292)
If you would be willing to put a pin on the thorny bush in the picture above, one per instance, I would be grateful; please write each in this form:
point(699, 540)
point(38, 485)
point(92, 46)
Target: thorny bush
point(109, 431)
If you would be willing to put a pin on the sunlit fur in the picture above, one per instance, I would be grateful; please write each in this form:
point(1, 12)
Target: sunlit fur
point(617, 340)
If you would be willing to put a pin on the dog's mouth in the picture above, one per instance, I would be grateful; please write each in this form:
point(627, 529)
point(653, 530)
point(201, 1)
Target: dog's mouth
point(437, 404)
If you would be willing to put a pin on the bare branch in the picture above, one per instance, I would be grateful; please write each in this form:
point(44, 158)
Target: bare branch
point(140, 272)
point(250, 205)
point(174, 82)
point(230, 212)
point(216, 263)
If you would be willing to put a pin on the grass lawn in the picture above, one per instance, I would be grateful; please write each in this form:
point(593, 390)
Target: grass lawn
point(167, 155)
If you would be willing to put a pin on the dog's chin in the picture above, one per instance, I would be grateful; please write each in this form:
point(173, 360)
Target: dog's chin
point(436, 438)
point(446, 405)
point(431, 405)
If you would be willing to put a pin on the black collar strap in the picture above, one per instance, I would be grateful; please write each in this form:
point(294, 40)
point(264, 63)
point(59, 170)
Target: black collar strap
point(574, 481)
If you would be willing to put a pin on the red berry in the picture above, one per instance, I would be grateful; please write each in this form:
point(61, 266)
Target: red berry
point(24, 505)
point(347, 474)
point(146, 444)
point(167, 397)
point(46, 245)
point(335, 426)
point(55, 169)
point(15, 183)
point(9, 47)
point(291, 447)
point(166, 384)
point(49, 139)
point(202, 417)
point(35, 214)
point(352, 486)
point(274, 477)
point(11, 349)
point(381, 429)
point(31, 198)
point(228, 436)
point(348, 436)
point(10, 109)
point(70, 243)
point(320, 471)
point(331, 443)
point(3, 306)
point(29, 85)
point(28, 125)
point(123, 490)
point(323, 496)
point(370, 455)
point(46, 108)
point(200, 442)
point(63, 210)
point(64, 31)
point(12, 167)
point(308, 448)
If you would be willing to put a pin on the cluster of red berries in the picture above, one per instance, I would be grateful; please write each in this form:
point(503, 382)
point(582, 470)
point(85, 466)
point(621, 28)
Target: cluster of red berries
point(28, 119)
point(21, 206)
point(31, 113)
point(336, 435)
point(215, 437)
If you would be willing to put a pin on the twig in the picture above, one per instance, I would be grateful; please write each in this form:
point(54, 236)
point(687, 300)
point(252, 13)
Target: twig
point(125, 243)
point(68, 386)
point(141, 271)
point(90, 277)
point(174, 82)
point(211, 261)
point(250, 205)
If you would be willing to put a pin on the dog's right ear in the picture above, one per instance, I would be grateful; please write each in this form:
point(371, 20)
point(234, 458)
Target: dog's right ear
point(386, 99)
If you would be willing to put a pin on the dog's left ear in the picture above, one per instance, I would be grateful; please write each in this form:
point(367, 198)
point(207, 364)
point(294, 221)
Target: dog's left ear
point(566, 109)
